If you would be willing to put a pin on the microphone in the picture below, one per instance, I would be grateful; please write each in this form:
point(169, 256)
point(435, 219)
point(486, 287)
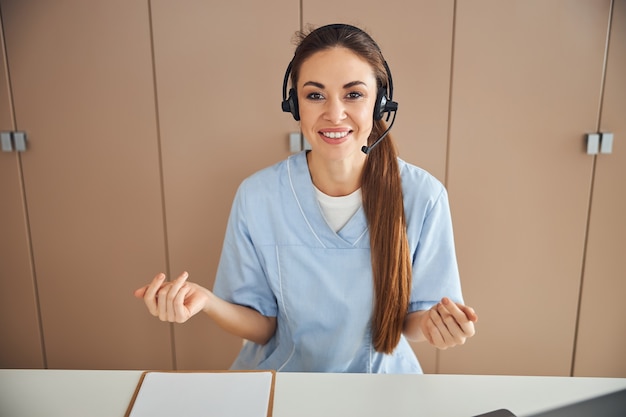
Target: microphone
point(366, 149)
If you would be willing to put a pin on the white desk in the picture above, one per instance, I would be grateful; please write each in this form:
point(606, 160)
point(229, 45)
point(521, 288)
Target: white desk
point(52, 393)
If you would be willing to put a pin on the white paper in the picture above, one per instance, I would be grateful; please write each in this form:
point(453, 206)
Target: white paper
point(195, 394)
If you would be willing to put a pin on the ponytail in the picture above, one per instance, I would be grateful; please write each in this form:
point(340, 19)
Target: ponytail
point(381, 188)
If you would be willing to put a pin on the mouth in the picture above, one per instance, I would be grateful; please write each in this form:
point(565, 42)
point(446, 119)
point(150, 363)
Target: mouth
point(334, 134)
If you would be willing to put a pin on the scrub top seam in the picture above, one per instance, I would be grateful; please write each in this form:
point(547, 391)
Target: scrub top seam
point(293, 190)
point(282, 302)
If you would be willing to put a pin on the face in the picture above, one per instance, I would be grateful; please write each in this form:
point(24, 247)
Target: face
point(336, 94)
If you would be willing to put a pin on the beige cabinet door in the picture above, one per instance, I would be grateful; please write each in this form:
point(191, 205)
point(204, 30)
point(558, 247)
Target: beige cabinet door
point(416, 40)
point(601, 340)
point(526, 86)
point(219, 69)
point(81, 78)
point(21, 345)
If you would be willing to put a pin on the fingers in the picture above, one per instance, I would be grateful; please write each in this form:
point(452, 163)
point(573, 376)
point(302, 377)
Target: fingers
point(437, 329)
point(461, 313)
point(457, 322)
point(165, 300)
point(167, 296)
point(149, 296)
point(181, 311)
point(449, 324)
point(176, 299)
point(469, 313)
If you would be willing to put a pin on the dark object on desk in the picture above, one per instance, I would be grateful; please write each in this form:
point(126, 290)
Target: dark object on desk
point(609, 405)
point(503, 412)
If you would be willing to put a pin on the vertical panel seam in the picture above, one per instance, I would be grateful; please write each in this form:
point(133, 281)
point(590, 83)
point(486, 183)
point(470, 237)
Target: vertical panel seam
point(448, 141)
point(591, 190)
point(22, 187)
point(161, 174)
point(448, 138)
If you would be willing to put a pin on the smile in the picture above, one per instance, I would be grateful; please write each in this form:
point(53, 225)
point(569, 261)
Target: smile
point(335, 135)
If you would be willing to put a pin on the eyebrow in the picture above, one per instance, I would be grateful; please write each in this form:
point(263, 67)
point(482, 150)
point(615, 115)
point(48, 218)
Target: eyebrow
point(345, 86)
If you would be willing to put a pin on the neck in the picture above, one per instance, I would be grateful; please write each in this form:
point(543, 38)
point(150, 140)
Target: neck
point(335, 178)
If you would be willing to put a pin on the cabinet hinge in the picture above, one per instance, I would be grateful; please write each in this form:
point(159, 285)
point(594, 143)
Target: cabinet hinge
point(599, 143)
point(13, 141)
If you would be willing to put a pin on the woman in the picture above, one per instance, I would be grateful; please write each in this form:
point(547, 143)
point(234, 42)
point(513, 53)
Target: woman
point(333, 258)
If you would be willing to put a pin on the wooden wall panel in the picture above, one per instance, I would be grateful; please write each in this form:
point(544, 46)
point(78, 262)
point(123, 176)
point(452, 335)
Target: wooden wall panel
point(219, 72)
point(21, 345)
point(83, 91)
point(601, 341)
point(525, 91)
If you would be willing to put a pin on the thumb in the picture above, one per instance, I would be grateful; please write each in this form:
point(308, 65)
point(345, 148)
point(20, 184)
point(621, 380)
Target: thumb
point(140, 292)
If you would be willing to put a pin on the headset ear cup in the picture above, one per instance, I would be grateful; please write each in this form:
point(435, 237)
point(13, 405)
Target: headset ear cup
point(293, 104)
point(381, 104)
point(290, 104)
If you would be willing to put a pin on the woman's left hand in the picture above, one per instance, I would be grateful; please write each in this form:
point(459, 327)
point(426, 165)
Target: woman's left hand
point(448, 324)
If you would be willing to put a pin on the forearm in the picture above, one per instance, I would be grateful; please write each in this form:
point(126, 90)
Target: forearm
point(241, 321)
point(412, 329)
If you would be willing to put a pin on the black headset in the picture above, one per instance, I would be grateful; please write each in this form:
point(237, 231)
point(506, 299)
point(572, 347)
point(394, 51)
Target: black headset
point(384, 97)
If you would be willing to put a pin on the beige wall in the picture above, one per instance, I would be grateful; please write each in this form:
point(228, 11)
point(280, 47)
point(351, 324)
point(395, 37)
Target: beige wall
point(143, 118)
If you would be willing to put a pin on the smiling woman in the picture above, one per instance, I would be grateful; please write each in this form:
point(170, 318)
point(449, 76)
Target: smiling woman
point(336, 111)
point(336, 256)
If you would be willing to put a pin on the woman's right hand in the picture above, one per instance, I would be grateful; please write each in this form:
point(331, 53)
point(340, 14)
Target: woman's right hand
point(179, 300)
point(175, 301)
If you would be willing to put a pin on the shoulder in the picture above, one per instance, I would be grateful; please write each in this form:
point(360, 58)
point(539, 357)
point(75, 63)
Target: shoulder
point(265, 175)
point(267, 184)
point(268, 178)
point(418, 180)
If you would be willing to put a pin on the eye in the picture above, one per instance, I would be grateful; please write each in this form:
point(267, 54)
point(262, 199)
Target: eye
point(314, 96)
point(354, 95)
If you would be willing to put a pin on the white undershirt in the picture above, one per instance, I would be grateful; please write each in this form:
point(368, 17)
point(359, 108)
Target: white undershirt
point(338, 210)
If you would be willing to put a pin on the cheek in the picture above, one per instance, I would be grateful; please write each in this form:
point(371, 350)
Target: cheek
point(307, 116)
point(306, 123)
point(365, 115)
point(366, 120)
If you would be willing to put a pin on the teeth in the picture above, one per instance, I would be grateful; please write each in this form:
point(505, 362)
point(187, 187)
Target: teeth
point(335, 135)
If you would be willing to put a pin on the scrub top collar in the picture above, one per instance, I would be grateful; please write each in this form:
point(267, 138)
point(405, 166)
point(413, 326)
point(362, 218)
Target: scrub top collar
point(353, 234)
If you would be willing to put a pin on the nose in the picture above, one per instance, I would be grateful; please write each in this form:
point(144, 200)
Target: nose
point(335, 110)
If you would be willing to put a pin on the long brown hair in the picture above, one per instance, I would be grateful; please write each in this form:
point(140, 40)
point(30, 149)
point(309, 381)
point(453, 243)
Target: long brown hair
point(381, 190)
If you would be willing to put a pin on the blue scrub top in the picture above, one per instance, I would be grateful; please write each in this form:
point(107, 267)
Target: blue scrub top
point(281, 258)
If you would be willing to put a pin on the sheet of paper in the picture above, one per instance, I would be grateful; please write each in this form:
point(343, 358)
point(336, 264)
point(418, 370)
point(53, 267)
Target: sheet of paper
point(187, 394)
